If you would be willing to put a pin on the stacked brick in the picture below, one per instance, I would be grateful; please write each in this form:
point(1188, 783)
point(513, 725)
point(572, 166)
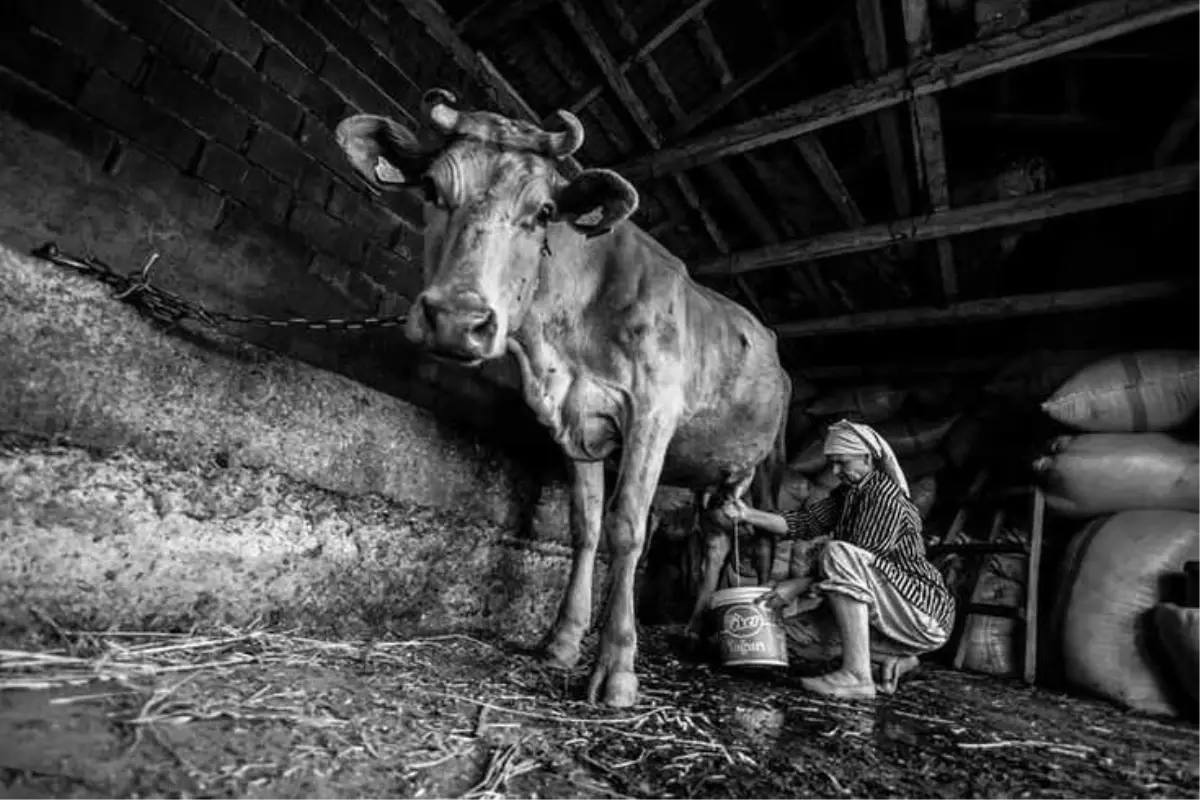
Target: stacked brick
point(228, 106)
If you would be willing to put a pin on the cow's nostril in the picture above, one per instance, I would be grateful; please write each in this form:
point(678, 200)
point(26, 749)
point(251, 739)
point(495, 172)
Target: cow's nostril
point(485, 328)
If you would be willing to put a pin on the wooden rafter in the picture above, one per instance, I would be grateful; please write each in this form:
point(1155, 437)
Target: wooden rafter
point(930, 155)
point(740, 86)
point(874, 42)
point(808, 280)
point(1178, 130)
point(827, 176)
point(952, 222)
point(636, 109)
point(497, 13)
point(649, 46)
point(721, 174)
point(997, 308)
point(478, 66)
point(806, 276)
point(1071, 30)
point(914, 370)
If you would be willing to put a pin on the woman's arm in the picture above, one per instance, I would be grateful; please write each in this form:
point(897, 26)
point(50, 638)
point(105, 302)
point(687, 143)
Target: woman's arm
point(806, 523)
point(773, 523)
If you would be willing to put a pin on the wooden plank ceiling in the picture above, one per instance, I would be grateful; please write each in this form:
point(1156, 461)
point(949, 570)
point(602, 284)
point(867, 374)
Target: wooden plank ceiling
point(872, 166)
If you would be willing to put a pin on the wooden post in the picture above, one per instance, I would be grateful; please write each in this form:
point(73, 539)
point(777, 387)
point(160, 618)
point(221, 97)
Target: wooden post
point(930, 155)
point(1033, 582)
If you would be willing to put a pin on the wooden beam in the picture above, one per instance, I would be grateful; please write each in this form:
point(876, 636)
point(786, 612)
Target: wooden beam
point(926, 120)
point(1066, 123)
point(998, 308)
point(910, 371)
point(818, 162)
point(719, 172)
point(481, 9)
point(903, 369)
point(1071, 30)
point(831, 183)
point(706, 40)
point(650, 45)
point(952, 222)
point(496, 14)
point(1178, 130)
point(636, 109)
point(478, 66)
point(719, 101)
point(808, 278)
point(874, 42)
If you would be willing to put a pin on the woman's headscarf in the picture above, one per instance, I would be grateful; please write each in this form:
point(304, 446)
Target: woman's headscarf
point(846, 438)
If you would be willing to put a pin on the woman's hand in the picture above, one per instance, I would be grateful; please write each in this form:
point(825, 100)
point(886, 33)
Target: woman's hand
point(772, 600)
point(733, 511)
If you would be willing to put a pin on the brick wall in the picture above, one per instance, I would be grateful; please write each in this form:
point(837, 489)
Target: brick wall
point(227, 108)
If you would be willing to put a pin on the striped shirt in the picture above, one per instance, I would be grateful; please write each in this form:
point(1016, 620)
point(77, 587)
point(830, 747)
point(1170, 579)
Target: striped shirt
point(876, 516)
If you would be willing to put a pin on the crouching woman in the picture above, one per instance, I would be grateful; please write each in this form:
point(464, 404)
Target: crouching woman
point(889, 602)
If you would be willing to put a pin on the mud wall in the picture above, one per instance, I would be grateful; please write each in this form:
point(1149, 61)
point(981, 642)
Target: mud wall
point(171, 479)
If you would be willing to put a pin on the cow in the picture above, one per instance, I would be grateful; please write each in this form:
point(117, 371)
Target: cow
point(622, 356)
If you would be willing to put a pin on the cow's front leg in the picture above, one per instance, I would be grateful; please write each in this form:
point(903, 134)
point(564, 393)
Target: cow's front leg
point(575, 611)
point(625, 525)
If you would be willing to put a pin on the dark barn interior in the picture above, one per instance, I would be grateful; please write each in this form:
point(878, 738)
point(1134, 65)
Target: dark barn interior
point(253, 542)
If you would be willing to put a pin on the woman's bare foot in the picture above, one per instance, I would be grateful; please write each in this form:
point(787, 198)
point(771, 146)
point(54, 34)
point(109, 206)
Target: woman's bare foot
point(892, 669)
point(841, 684)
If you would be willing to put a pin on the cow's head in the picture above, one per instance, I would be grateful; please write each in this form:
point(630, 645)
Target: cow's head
point(492, 192)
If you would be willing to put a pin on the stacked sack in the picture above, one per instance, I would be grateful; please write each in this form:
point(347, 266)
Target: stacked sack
point(1136, 488)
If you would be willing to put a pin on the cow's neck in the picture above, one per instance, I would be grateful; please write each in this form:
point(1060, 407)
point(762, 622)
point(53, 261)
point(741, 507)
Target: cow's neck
point(567, 398)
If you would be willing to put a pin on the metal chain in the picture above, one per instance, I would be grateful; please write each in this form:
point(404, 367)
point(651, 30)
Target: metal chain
point(171, 308)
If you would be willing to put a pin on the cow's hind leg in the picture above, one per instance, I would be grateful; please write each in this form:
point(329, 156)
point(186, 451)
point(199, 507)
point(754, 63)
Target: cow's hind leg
point(764, 557)
point(717, 545)
point(575, 612)
point(625, 524)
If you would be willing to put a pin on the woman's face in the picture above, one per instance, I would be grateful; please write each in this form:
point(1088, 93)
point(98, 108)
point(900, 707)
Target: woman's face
point(850, 469)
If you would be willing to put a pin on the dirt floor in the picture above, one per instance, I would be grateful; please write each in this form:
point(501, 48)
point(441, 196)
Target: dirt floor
point(264, 714)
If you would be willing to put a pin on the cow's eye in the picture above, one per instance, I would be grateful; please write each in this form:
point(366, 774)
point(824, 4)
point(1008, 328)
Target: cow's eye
point(545, 214)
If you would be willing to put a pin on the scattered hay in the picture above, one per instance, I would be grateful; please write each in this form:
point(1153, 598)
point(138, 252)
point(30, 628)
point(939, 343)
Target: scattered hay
point(158, 669)
point(257, 712)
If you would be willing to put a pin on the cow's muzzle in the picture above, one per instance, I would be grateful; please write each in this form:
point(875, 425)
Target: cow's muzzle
point(462, 327)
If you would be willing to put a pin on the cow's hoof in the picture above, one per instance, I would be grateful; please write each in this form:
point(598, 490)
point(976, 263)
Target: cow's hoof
point(620, 691)
point(559, 654)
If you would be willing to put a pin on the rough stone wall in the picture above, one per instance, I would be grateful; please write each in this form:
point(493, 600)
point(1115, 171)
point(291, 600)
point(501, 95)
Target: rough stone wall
point(119, 539)
point(192, 479)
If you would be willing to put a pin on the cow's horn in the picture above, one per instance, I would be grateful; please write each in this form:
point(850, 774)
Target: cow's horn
point(566, 141)
point(439, 112)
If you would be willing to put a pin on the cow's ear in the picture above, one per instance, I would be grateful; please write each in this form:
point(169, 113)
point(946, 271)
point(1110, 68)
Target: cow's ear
point(385, 153)
point(596, 200)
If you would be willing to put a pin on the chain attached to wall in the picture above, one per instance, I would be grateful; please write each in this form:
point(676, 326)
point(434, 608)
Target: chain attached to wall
point(171, 308)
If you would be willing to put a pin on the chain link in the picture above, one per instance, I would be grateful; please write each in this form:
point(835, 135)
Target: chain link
point(171, 308)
